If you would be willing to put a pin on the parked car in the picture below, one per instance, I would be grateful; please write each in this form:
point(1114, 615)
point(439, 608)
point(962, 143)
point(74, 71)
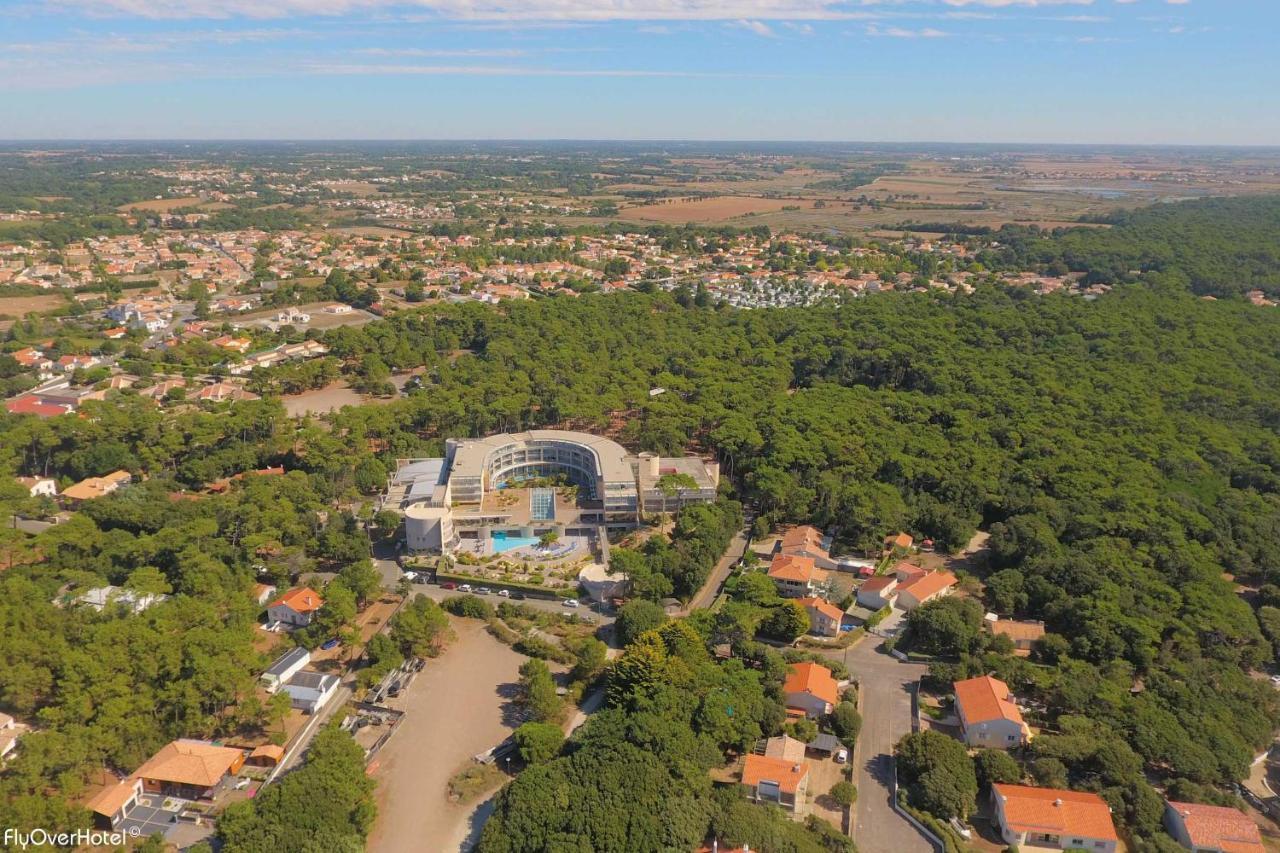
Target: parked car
point(412, 577)
point(448, 585)
point(466, 587)
point(571, 602)
point(842, 756)
point(243, 783)
point(504, 593)
point(519, 596)
point(330, 643)
point(483, 590)
point(963, 830)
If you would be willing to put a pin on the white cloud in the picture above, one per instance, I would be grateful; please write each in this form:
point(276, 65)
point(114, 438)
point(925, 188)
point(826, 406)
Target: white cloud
point(901, 33)
point(760, 28)
point(499, 71)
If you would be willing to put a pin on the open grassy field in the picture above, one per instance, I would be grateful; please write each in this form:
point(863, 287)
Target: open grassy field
point(162, 205)
point(709, 209)
point(21, 306)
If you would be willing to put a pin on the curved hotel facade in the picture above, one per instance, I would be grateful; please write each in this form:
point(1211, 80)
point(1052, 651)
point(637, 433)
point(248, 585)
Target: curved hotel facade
point(475, 491)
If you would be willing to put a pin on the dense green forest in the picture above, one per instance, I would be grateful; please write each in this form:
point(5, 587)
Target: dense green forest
point(1224, 246)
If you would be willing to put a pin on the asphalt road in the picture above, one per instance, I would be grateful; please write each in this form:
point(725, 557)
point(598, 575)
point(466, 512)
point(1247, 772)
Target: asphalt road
point(706, 596)
point(886, 716)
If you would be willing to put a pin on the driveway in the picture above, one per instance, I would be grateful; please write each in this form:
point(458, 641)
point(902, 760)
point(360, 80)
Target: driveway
point(706, 596)
point(886, 716)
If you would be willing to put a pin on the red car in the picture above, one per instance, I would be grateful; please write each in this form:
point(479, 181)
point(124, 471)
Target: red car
point(448, 585)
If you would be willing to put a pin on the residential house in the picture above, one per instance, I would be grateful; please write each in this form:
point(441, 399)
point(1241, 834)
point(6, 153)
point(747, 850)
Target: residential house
point(1022, 634)
point(806, 541)
point(190, 769)
point(112, 804)
point(878, 592)
point(29, 404)
point(898, 544)
point(924, 589)
point(1212, 829)
point(70, 363)
point(1057, 819)
point(220, 392)
point(988, 715)
point(905, 572)
point(38, 486)
point(285, 667)
point(267, 755)
point(810, 690)
point(824, 617)
point(794, 576)
point(780, 776)
point(310, 691)
point(295, 607)
point(96, 487)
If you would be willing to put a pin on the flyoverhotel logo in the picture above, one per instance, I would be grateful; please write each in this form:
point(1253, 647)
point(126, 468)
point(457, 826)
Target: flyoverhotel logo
point(74, 838)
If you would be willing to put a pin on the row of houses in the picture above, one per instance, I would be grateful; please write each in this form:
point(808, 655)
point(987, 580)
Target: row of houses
point(1029, 817)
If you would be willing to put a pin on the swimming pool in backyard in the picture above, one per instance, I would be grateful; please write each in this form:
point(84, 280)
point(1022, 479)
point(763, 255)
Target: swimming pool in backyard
point(501, 541)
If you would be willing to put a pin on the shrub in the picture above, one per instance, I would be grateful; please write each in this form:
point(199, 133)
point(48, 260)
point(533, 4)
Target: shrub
point(469, 606)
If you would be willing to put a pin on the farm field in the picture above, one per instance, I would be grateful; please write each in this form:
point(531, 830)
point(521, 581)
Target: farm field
point(21, 306)
point(710, 209)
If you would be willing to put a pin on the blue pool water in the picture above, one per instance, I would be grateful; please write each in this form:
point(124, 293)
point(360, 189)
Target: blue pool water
point(502, 541)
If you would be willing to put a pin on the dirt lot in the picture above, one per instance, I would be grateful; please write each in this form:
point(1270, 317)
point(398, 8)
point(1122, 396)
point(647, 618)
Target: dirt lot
point(21, 306)
point(324, 400)
point(710, 209)
point(458, 706)
point(162, 205)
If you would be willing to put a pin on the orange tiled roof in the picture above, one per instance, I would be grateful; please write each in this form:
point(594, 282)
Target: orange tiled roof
point(826, 608)
point(927, 585)
point(110, 800)
point(788, 774)
point(1219, 828)
point(909, 571)
point(190, 762)
point(1056, 812)
point(790, 568)
point(813, 679)
point(800, 537)
point(301, 600)
point(985, 698)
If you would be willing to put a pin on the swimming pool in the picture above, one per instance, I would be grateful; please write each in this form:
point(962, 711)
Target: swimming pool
point(503, 541)
point(542, 504)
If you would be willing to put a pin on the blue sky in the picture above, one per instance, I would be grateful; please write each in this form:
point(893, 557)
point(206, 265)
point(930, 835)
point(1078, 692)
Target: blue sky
point(1083, 71)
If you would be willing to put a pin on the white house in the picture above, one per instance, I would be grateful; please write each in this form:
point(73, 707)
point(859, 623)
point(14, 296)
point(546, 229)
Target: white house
point(285, 667)
point(925, 588)
point(988, 716)
point(877, 592)
point(810, 689)
point(1052, 818)
point(40, 486)
point(310, 691)
point(295, 607)
point(1212, 829)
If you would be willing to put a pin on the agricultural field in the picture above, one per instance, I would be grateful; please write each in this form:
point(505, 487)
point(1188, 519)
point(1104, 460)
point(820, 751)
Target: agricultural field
point(22, 306)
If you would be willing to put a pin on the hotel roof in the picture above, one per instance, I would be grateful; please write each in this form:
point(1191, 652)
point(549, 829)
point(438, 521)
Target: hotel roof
point(472, 455)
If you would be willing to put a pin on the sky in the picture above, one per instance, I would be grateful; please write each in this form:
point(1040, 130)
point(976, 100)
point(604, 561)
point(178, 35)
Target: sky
point(1188, 72)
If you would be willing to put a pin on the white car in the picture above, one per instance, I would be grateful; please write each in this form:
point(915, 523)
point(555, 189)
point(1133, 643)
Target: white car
point(483, 590)
point(842, 756)
point(466, 587)
point(570, 602)
point(504, 593)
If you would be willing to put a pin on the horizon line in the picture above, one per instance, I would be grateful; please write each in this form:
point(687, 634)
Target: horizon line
point(619, 140)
